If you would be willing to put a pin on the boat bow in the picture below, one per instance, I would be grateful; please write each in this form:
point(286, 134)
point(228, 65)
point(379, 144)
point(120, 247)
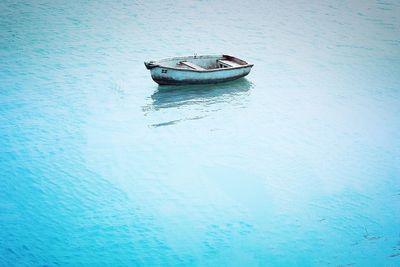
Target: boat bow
point(150, 64)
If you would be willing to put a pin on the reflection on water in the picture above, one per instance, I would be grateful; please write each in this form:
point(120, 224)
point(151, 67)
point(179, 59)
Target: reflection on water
point(194, 101)
point(166, 123)
point(175, 96)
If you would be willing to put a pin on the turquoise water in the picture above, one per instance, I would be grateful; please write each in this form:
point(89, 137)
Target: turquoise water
point(296, 165)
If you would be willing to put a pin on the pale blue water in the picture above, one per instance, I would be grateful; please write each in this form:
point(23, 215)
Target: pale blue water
point(296, 165)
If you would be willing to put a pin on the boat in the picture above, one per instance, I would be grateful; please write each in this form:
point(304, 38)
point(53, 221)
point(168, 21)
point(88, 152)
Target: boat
point(195, 69)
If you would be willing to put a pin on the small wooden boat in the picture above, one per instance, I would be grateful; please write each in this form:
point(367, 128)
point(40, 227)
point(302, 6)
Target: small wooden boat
point(197, 69)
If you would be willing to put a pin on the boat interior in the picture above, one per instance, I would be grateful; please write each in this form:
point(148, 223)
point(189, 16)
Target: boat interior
point(205, 62)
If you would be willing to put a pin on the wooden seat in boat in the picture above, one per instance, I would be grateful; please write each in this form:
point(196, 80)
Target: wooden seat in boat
point(191, 65)
point(227, 63)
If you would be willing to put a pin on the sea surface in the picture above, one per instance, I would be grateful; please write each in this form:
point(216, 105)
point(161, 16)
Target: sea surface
point(298, 164)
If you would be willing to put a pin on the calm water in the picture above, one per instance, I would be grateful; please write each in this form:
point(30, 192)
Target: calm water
point(296, 165)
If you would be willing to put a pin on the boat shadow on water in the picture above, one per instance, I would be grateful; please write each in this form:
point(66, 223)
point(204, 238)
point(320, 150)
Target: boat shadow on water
point(202, 95)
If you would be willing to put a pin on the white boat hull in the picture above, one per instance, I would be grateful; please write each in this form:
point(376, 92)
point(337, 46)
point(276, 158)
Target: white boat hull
point(166, 72)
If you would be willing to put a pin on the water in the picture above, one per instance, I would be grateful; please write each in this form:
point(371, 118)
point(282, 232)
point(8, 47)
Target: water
point(296, 165)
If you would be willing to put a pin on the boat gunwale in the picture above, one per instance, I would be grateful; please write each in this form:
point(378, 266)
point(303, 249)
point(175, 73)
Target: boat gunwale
point(156, 64)
point(205, 70)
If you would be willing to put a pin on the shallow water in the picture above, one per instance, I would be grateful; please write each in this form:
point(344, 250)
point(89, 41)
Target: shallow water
point(296, 165)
